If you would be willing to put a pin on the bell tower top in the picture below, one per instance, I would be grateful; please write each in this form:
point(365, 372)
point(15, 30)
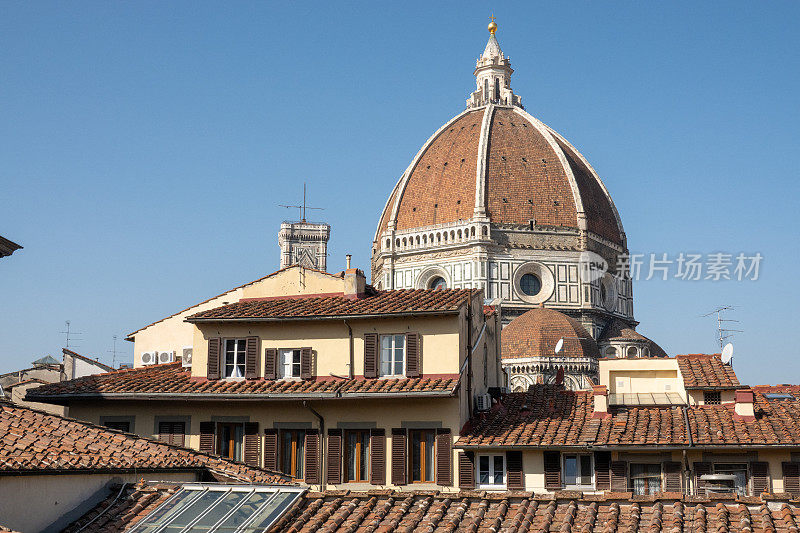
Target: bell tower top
point(493, 76)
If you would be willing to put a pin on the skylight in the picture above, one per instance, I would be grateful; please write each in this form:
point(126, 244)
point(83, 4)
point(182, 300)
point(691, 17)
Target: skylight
point(771, 396)
point(646, 399)
point(229, 508)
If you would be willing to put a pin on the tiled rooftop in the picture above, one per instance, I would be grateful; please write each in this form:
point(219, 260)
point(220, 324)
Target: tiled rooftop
point(171, 379)
point(34, 441)
point(378, 303)
point(706, 371)
point(550, 416)
point(386, 511)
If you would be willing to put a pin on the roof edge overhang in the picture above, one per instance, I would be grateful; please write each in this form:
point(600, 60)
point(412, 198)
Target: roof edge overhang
point(331, 317)
point(63, 399)
point(107, 470)
point(627, 447)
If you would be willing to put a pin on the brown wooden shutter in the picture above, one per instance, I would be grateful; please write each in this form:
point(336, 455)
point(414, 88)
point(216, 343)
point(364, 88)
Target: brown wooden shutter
point(602, 470)
point(759, 471)
point(207, 437)
point(466, 470)
point(700, 469)
point(251, 358)
point(552, 470)
point(619, 476)
point(370, 355)
point(377, 456)
point(213, 358)
point(516, 478)
point(672, 477)
point(306, 364)
point(271, 449)
point(178, 433)
point(165, 432)
point(399, 456)
point(312, 476)
point(444, 457)
point(413, 355)
point(791, 478)
point(251, 444)
point(334, 456)
point(271, 363)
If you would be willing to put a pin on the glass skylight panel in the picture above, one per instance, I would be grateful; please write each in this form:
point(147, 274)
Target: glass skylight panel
point(229, 508)
point(778, 396)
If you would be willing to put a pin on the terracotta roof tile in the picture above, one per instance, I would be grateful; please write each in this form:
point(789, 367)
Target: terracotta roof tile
point(379, 303)
point(702, 371)
point(171, 379)
point(386, 511)
point(34, 441)
point(548, 416)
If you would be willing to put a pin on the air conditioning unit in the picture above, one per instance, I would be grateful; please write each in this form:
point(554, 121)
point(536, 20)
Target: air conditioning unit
point(483, 402)
point(165, 357)
point(149, 358)
point(186, 357)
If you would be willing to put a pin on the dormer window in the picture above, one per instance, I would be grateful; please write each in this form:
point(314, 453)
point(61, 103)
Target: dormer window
point(235, 357)
point(393, 355)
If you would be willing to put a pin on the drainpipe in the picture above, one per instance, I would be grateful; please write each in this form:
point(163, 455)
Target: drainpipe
point(350, 332)
point(686, 468)
point(321, 444)
point(469, 358)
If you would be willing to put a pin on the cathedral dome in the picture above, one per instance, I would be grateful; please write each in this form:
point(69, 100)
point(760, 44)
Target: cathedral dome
point(537, 332)
point(498, 163)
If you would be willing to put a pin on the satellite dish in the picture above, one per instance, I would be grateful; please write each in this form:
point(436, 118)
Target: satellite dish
point(727, 353)
point(559, 346)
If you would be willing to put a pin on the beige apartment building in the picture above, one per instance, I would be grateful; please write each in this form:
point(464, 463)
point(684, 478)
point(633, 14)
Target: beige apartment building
point(343, 387)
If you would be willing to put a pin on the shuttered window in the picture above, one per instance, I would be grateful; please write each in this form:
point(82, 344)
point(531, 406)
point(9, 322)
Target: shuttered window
point(444, 457)
point(577, 470)
point(213, 369)
point(602, 470)
point(377, 451)
point(252, 444)
point(392, 355)
point(552, 470)
point(207, 437)
point(312, 458)
point(306, 363)
point(172, 432)
point(645, 478)
point(271, 449)
point(270, 363)
point(371, 355)
point(356, 455)
point(235, 355)
point(413, 355)
point(334, 472)
point(673, 480)
point(619, 476)
point(292, 452)
point(466, 470)
point(422, 451)
point(759, 471)
point(398, 456)
point(791, 478)
point(491, 471)
point(230, 440)
point(516, 479)
point(251, 358)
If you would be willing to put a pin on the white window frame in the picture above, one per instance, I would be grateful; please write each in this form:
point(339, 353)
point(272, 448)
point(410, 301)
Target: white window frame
point(282, 353)
point(490, 486)
point(393, 352)
point(577, 485)
point(237, 362)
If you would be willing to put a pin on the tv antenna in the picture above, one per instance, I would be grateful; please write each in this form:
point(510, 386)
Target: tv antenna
point(69, 333)
point(724, 333)
point(113, 352)
point(303, 207)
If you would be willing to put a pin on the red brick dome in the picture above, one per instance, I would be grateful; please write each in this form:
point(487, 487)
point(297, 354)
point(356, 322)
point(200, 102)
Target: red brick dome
point(536, 333)
point(501, 163)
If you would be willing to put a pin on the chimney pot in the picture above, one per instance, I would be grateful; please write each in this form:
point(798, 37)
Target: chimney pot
point(600, 397)
point(743, 408)
point(347, 260)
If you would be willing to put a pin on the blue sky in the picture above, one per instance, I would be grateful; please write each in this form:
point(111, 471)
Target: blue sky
point(144, 147)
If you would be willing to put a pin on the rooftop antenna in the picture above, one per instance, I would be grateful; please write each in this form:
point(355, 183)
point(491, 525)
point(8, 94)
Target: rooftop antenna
point(70, 333)
point(727, 354)
point(723, 334)
point(113, 352)
point(303, 207)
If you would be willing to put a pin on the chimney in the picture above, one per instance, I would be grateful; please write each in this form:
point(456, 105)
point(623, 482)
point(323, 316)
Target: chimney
point(354, 283)
point(743, 408)
point(347, 259)
point(600, 397)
